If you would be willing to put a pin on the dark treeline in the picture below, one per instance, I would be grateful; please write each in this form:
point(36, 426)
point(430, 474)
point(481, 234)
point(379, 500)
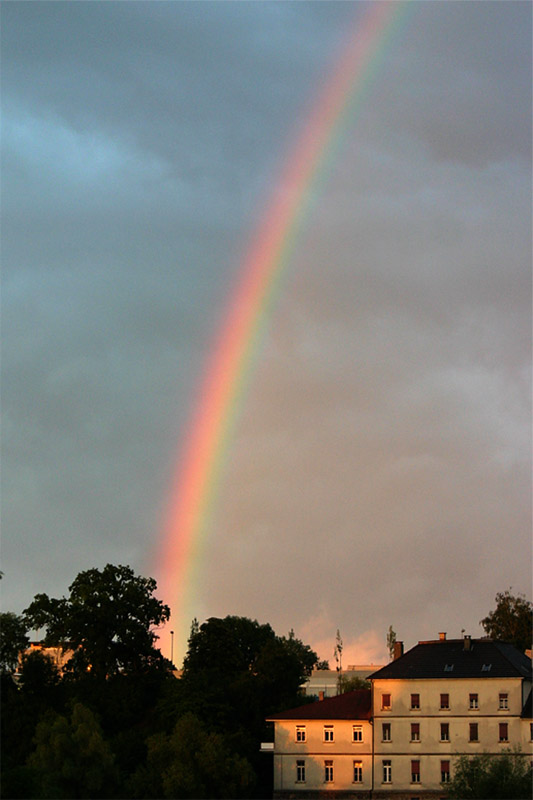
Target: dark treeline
point(117, 723)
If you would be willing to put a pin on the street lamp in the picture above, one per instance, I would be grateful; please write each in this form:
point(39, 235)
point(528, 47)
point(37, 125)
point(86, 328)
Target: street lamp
point(172, 647)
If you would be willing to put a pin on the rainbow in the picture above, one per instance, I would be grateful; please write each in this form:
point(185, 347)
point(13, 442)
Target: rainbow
point(229, 367)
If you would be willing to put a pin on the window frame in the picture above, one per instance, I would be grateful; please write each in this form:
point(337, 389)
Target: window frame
point(357, 733)
point(328, 771)
point(357, 772)
point(415, 731)
point(473, 701)
point(386, 704)
point(445, 771)
point(444, 729)
point(387, 770)
point(300, 770)
point(300, 733)
point(445, 701)
point(415, 701)
point(386, 732)
point(329, 734)
point(473, 732)
point(503, 731)
point(503, 701)
point(415, 770)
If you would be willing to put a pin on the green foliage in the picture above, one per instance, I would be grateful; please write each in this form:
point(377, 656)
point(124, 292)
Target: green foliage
point(322, 664)
point(511, 621)
point(347, 684)
point(13, 640)
point(71, 758)
point(107, 621)
point(506, 776)
point(391, 641)
point(38, 674)
point(192, 763)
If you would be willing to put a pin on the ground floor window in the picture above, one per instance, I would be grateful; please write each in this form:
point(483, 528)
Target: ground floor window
point(387, 772)
point(444, 771)
point(328, 771)
point(300, 771)
point(415, 771)
point(357, 771)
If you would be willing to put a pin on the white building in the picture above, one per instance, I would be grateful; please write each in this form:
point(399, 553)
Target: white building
point(441, 699)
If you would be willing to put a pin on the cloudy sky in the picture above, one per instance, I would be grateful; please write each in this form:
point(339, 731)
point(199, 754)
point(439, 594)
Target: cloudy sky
point(380, 470)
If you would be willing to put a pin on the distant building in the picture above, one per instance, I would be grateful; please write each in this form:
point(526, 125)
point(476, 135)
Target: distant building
point(398, 740)
point(327, 680)
point(58, 655)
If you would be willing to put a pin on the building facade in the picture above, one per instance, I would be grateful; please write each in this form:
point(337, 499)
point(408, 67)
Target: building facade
point(441, 699)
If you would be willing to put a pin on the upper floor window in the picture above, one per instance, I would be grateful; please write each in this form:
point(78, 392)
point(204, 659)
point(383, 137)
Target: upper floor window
point(503, 700)
point(328, 733)
point(385, 702)
point(300, 771)
point(415, 701)
point(444, 771)
point(415, 732)
point(415, 771)
point(445, 731)
point(445, 700)
point(357, 771)
point(473, 735)
point(301, 734)
point(504, 732)
point(328, 771)
point(387, 772)
point(385, 732)
point(473, 701)
point(357, 733)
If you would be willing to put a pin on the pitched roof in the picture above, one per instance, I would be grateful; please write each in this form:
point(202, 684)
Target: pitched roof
point(450, 658)
point(351, 705)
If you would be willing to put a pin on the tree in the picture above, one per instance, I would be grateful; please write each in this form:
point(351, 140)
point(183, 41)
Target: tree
point(347, 684)
point(391, 641)
point(192, 763)
point(511, 621)
point(71, 758)
point(507, 776)
point(107, 620)
point(13, 640)
point(322, 665)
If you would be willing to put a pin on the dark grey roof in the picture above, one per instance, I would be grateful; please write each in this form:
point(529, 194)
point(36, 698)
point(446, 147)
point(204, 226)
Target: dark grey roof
point(451, 659)
point(350, 705)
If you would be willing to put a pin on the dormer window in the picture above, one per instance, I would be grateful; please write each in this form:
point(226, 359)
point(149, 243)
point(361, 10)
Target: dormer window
point(486, 667)
point(448, 668)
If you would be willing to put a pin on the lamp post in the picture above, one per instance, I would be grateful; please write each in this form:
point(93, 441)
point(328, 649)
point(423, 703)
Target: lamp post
point(172, 647)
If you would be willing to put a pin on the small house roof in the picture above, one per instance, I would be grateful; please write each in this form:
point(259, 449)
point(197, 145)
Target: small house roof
point(351, 705)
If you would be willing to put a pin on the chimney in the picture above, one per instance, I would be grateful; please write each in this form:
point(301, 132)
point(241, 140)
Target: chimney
point(398, 650)
point(467, 643)
point(321, 695)
point(442, 636)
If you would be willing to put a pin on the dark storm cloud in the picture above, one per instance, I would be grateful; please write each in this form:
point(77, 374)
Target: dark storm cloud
point(384, 445)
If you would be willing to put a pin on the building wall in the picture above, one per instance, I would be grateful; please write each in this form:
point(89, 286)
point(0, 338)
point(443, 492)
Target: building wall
point(416, 734)
point(315, 751)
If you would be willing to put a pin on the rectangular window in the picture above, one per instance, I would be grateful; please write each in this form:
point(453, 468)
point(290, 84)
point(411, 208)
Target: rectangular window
point(531, 731)
point(444, 771)
point(504, 732)
point(415, 731)
point(415, 701)
point(357, 733)
point(300, 772)
point(387, 772)
point(357, 771)
point(328, 733)
point(328, 771)
point(301, 735)
point(473, 701)
point(504, 700)
point(473, 735)
point(385, 732)
point(385, 702)
point(415, 771)
point(445, 701)
point(445, 731)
